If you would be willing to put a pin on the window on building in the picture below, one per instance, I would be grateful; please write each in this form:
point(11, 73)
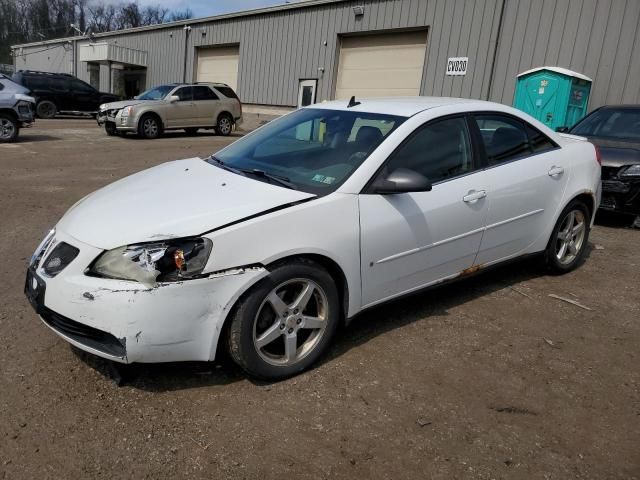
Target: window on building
point(439, 151)
point(203, 93)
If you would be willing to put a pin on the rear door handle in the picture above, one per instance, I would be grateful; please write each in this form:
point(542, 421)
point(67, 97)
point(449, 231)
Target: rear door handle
point(473, 196)
point(555, 171)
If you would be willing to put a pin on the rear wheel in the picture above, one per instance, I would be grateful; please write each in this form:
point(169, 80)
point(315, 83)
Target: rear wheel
point(569, 239)
point(46, 109)
point(225, 124)
point(191, 131)
point(285, 322)
point(149, 126)
point(9, 128)
point(110, 128)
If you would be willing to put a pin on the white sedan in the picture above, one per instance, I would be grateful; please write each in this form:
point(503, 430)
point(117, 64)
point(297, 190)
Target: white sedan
point(264, 248)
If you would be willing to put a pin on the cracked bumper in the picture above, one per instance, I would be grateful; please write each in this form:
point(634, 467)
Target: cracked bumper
point(127, 322)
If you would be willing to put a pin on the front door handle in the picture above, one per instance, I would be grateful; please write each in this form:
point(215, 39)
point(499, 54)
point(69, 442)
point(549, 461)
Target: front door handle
point(473, 196)
point(555, 171)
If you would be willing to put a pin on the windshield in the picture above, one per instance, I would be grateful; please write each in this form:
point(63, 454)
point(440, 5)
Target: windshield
point(156, 93)
point(620, 124)
point(314, 150)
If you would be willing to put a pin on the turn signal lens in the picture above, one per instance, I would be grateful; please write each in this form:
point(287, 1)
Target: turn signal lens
point(178, 257)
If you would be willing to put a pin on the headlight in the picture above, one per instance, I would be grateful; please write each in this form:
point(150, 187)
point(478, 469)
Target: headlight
point(632, 171)
point(149, 263)
point(126, 111)
point(25, 98)
point(44, 244)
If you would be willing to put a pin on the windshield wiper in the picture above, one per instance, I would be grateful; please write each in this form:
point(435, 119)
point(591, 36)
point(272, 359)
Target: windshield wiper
point(279, 179)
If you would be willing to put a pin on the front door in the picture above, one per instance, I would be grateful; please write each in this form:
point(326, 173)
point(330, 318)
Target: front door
point(412, 240)
point(307, 92)
point(183, 112)
point(527, 181)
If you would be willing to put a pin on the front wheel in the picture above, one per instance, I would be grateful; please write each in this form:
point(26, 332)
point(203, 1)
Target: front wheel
point(568, 243)
point(9, 128)
point(285, 322)
point(149, 127)
point(225, 125)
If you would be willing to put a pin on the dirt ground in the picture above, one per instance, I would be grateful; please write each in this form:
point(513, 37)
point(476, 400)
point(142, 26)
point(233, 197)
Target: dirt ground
point(487, 378)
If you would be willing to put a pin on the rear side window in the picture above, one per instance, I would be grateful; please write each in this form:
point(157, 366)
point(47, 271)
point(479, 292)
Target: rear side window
point(439, 151)
point(538, 141)
point(36, 83)
point(204, 93)
point(227, 92)
point(505, 138)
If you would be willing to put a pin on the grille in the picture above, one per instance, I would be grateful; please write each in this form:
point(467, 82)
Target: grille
point(609, 172)
point(84, 334)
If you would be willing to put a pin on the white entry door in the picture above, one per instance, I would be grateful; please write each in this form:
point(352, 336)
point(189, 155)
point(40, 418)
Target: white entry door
point(307, 92)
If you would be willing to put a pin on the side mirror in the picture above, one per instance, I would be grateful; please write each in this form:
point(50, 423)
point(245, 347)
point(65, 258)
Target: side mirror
point(174, 98)
point(402, 180)
point(562, 129)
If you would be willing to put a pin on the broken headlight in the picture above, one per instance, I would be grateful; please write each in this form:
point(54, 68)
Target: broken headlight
point(149, 263)
point(632, 171)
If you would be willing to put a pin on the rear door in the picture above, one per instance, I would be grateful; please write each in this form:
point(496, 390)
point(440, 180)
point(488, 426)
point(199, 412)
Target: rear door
point(526, 178)
point(183, 112)
point(412, 240)
point(207, 106)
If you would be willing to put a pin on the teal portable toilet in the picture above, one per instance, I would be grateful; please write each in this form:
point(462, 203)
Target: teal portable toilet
point(555, 96)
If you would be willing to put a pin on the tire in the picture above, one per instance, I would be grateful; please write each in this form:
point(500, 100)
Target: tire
point(149, 126)
point(191, 131)
point(569, 239)
point(224, 126)
point(266, 320)
point(46, 109)
point(110, 129)
point(9, 128)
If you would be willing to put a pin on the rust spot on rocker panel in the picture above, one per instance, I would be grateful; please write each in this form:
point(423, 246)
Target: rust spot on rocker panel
point(470, 271)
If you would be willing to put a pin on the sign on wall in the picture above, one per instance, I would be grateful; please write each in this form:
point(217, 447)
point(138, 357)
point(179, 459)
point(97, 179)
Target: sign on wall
point(457, 65)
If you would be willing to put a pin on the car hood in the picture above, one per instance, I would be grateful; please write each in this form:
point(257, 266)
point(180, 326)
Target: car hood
point(617, 153)
point(175, 199)
point(129, 103)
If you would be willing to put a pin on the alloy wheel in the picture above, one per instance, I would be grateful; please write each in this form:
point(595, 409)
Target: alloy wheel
point(290, 322)
point(150, 127)
point(7, 128)
point(224, 125)
point(571, 237)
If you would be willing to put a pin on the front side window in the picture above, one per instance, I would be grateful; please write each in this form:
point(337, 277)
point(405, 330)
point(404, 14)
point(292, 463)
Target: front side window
point(81, 87)
point(440, 150)
point(505, 138)
point(185, 94)
point(619, 124)
point(316, 150)
point(60, 85)
point(203, 93)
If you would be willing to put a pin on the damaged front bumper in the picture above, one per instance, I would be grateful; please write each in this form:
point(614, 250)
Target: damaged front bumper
point(127, 322)
point(621, 196)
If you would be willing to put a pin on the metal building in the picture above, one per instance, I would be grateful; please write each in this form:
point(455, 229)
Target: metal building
point(323, 49)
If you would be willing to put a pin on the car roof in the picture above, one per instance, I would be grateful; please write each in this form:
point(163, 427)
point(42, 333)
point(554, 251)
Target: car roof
point(402, 106)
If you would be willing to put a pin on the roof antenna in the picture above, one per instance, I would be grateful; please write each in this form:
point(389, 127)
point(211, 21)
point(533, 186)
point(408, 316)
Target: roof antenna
point(352, 102)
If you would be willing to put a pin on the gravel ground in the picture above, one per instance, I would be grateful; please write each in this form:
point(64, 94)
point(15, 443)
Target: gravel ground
point(485, 378)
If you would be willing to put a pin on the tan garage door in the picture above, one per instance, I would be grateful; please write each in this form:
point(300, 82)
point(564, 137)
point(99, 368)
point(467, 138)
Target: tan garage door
point(381, 65)
point(218, 64)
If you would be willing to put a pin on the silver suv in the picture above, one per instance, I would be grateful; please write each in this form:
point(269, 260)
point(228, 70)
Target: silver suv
point(16, 109)
point(178, 106)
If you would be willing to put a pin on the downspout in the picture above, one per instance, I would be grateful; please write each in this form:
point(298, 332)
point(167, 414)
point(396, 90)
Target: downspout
point(495, 50)
point(187, 30)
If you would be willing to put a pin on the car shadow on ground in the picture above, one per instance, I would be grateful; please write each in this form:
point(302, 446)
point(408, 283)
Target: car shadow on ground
point(26, 138)
point(616, 220)
point(427, 304)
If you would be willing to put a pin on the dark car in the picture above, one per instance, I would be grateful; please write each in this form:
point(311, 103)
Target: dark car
point(61, 93)
point(615, 129)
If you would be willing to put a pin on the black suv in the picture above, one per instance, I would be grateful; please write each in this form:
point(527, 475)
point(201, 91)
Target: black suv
point(61, 93)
